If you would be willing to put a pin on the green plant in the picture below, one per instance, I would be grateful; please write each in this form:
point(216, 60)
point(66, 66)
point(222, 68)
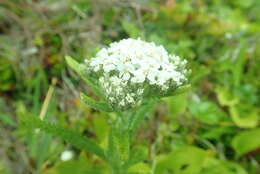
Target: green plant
point(127, 85)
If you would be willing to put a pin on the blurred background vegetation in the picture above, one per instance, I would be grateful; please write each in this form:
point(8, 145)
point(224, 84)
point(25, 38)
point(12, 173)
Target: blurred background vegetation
point(211, 129)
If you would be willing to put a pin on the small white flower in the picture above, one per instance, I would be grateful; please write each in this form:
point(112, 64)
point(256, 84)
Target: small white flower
point(152, 76)
point(139, 92)
point(66, 155)
point(109, 67)
point(129, 98)
point(126, 76)
point(139, 76)
point(122, 103)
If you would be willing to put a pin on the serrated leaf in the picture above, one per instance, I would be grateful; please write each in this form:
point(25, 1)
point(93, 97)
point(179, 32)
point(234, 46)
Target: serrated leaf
point(94, 104)
point(79, 69)
point(66, 134)
point(246, 142)
point(185, 160)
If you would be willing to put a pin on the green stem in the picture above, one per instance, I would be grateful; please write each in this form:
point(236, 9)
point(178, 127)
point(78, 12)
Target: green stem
point(119, 145)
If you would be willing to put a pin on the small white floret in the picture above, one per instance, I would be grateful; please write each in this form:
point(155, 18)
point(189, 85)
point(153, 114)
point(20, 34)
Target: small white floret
point(66, 155)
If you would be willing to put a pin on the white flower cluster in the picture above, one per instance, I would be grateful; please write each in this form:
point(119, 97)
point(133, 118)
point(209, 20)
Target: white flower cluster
point(128, 69)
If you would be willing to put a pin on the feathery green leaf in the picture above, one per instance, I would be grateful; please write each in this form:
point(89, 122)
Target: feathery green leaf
point(66, 134)
point(178, 91)
point(94, 104)
point(79, 69)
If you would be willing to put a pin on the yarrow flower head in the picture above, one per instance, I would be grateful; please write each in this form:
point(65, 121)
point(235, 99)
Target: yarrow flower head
point(130, 71)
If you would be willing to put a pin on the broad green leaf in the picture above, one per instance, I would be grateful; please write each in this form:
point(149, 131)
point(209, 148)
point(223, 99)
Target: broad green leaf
point(177, 104)
point(225, 97)
point(185, 160)
point(140, 168)
point(207, 112)
point(79, 69)
point(246, 141)
point(217, 132)
point(94, 104)
point(216, 166)
point(244, 116)
point(66, 134)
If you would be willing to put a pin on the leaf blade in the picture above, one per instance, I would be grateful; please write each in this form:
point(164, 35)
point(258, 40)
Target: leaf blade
point(78, 68)
point(94, 104)
point(246, 141)
point(66, 134)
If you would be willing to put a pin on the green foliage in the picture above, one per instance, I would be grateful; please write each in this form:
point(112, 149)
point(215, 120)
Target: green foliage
point(131, 29)
point(244, 116)
point(199, 161)
point(94, 104)
point(79, 69)
point(218, 116)
point(70, 136)
point(246, 141)
point(179, 91)
point(207, 112)
point(138, 116)
point(177, 104)
point(7, 119)
point(140, 168)
point(214, 166)
point(137, 155)
point(7, 75)
point(178, 163)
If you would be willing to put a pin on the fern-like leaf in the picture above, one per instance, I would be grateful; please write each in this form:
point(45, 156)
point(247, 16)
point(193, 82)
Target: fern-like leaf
point(79, 69)
point(178, 91)
point(66, 134)
point(94, 104)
